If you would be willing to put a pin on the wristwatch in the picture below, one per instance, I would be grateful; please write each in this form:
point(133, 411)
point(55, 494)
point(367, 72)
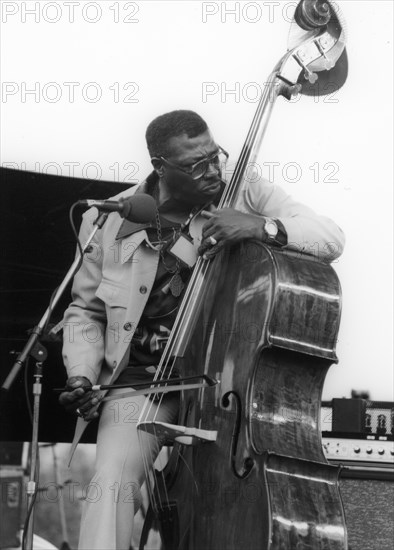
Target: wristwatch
point(270, 230)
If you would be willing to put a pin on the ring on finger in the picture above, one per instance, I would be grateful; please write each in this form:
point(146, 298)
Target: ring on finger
point(212, 241)
point(79, 412)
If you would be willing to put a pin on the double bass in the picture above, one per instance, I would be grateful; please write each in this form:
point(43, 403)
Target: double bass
point(257, 332)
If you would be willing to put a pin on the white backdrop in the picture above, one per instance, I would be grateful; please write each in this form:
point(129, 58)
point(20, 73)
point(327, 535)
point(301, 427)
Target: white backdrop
point(81, 80)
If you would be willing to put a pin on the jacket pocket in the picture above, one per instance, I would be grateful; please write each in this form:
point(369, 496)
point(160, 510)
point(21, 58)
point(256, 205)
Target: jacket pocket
point(115, 297)
point(113, 294)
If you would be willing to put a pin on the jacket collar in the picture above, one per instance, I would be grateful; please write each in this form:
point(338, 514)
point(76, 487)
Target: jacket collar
point(127, 227)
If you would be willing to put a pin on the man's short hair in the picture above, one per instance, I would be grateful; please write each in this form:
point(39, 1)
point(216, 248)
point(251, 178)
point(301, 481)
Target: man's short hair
point(169, 125)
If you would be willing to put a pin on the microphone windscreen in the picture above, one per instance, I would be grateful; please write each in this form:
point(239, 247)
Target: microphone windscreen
point(142, 208)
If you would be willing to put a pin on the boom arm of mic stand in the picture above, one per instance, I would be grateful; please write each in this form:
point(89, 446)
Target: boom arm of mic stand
point(37, 331)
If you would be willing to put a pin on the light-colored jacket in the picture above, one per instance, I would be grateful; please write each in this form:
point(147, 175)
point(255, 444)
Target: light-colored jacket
point(112, 287)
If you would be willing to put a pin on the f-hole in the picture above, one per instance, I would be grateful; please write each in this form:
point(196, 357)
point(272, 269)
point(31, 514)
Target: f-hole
point(248, 462)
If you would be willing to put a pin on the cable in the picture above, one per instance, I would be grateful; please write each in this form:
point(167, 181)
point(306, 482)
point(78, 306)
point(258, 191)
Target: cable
point(80, 250)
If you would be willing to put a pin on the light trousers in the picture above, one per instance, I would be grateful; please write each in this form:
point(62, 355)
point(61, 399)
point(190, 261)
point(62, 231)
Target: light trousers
point(114, 493)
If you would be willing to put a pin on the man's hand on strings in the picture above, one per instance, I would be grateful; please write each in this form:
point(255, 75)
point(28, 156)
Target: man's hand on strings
point(79, 399)
point(228, 226)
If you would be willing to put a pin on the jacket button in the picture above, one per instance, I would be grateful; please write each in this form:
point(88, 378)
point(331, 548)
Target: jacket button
point(127, 326)
point(143, 289)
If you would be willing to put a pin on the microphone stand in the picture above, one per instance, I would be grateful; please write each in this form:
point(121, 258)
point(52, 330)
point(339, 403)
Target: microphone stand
point(35, 349)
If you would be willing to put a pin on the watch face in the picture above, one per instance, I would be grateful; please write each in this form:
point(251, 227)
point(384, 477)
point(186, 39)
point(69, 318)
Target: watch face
point(271, 229)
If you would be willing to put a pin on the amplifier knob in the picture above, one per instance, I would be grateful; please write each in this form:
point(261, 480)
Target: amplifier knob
point(369, 450)
point(392, 452)
point(356, 450)
point(381, 451)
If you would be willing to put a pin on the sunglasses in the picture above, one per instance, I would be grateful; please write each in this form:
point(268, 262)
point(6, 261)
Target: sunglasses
point(200, 168)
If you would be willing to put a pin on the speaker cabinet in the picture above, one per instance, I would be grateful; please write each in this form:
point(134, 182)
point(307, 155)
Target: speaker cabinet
point(358, 434)
point(369, 505)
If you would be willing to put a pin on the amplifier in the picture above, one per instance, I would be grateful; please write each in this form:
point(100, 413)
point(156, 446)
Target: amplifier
point(358, 415)
point(358, 453)
point(11, 486)
point(359, 434)
point(362, 442)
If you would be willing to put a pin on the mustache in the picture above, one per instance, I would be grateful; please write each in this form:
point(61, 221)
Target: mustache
point(215, 179)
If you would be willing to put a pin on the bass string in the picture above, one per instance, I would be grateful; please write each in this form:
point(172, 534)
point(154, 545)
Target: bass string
point(251, 145)
point(163, 372)
point(152, 497)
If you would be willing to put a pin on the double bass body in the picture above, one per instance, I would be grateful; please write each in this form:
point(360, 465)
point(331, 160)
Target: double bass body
point(264, 483)
point(264, 324)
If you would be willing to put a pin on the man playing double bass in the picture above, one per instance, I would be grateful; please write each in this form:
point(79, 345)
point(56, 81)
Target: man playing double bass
point(127, 293)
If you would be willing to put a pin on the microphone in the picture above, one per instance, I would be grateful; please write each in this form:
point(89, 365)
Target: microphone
point(139, 208)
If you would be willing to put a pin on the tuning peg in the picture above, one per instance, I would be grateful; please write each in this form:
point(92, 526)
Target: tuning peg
point(309, 75)
point(322, 43)
point(312, 77)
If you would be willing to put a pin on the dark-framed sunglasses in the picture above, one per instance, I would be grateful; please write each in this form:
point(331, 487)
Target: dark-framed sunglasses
point(200, 168)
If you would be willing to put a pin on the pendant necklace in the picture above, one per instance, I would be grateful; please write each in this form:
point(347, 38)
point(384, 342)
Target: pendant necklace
point(176, 285)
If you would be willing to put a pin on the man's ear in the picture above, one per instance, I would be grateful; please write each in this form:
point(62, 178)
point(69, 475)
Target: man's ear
point(158, 166)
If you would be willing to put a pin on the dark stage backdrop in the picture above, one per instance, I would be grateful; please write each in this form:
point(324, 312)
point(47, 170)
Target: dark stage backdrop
point(37, 248)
